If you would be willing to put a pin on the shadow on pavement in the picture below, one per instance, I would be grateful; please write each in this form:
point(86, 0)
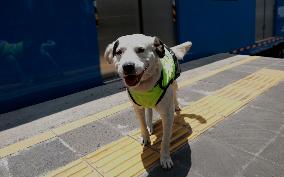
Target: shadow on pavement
point(180, 148)
point(192, 116)
point(182, 164)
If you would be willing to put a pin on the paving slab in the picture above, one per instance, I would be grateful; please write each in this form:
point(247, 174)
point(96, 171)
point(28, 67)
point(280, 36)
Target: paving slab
point(205, 87)
point(40, 159)
point(246, 137)
point(213, 62)
point(246, 68)
point(274, 151)
point(276, 93)
point(263, 62)
point(205, 157)
point(189, 69)
point(262, 168)
point(225, 78)
point(187, 95)
point(4, 169)
point(282, 133)
point(124, 122)
point(278, 65)
point(215, 159)
point(268, 103)
point(271, 100)
point(257, 117)
point(222, 58)
point(89, 138)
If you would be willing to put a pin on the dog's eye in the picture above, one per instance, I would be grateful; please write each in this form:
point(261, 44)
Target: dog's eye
point(140, 50)
point(118, 52)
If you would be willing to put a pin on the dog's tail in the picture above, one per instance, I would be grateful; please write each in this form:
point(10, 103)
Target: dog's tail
point(182, 49)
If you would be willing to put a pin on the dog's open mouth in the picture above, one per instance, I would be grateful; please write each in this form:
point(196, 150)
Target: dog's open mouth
point(132, 80)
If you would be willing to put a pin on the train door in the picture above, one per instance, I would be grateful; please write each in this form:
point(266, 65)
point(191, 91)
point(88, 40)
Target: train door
point(264, 19)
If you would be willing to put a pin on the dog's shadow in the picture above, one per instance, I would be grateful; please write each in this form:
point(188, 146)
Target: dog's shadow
point(181, 118)
point(180, 148)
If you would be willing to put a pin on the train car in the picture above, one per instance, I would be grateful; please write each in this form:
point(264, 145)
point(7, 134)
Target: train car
point(49, 49)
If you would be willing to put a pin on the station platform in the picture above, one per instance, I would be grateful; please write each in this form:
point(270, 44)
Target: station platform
point(231, 124)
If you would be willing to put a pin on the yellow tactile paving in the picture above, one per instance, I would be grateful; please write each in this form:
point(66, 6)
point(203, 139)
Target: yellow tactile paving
point(126, 157)
point(227, 100)
point(178, 132)
point(13, 148)
point(78, 168)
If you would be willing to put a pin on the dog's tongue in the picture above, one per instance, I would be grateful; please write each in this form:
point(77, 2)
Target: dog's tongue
point(131, 80)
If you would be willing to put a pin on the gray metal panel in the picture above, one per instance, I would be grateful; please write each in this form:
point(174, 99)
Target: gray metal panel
point(259, 21)
point(269, 18)
point(157, 20)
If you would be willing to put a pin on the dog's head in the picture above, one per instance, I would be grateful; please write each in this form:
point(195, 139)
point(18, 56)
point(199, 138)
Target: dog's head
point(135, 56)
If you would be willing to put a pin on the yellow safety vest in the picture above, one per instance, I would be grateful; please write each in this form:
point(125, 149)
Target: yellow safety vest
point(170, 71)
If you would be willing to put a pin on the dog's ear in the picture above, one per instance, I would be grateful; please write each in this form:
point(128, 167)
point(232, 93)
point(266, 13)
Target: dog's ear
point(181, 50)
point(110, 51)
point(159, 47)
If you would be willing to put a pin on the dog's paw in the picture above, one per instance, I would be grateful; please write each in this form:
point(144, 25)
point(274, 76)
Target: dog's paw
point(177, 109)
point(150, 129)
point(144, 140)
point(166, 162)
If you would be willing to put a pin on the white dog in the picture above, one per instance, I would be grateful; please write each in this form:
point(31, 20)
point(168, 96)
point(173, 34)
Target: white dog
point(149, 69)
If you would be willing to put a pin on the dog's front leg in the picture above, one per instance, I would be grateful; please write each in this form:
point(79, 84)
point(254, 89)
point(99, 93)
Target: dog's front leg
point(175, 89)
point(167, 121)
point(149, 122)
point(166, 110)
point(140, 114)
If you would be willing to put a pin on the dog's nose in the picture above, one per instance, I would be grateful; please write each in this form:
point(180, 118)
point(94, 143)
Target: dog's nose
point(128, 68)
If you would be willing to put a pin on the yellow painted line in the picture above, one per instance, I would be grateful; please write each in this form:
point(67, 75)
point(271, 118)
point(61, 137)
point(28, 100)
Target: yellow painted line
point(126, 157)
point(13, 148)
point(86, 120)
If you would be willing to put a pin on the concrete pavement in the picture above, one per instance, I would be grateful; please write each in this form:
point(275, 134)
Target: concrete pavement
point(247, 143)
